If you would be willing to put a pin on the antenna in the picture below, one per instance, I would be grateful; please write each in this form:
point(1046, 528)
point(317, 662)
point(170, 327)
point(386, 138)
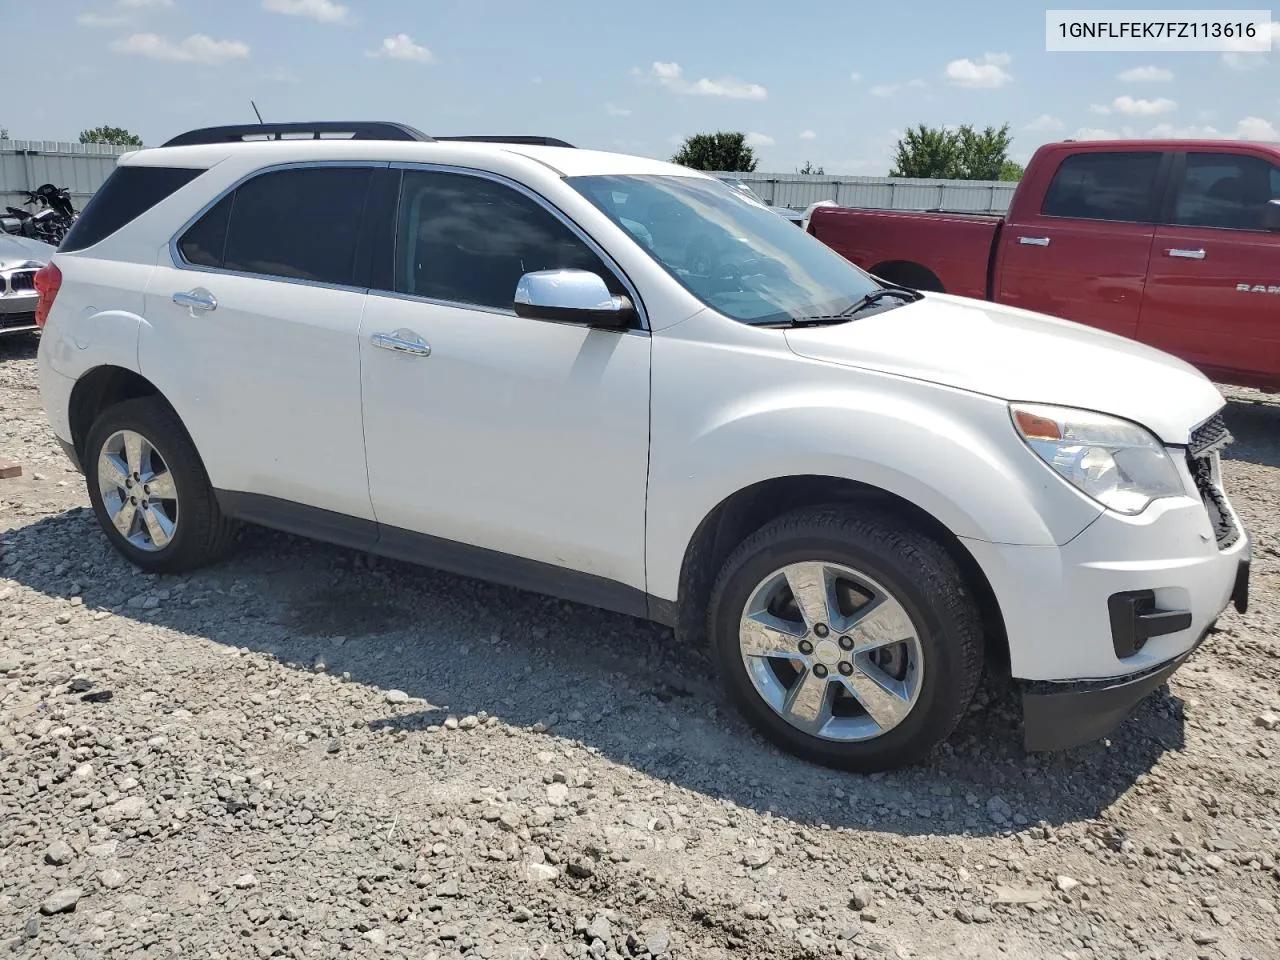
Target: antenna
point(255, 110)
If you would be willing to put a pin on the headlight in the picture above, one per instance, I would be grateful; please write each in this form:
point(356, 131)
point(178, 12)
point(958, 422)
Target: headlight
point(1115, 462)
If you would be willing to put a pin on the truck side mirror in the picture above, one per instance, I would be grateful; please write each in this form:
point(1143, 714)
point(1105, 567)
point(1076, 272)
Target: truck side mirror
point(1271, 215)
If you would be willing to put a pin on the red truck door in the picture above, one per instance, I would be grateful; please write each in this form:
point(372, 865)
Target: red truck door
point(1083, 254)
point(1213, 293)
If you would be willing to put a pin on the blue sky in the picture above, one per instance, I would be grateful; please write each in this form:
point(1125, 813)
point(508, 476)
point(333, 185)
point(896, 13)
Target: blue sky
point(835, 83)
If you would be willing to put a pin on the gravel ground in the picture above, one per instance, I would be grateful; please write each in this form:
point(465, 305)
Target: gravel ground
point(306, 752)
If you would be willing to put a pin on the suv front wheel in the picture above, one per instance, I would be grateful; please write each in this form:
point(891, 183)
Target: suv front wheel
point(847, 638)
point(150, 491)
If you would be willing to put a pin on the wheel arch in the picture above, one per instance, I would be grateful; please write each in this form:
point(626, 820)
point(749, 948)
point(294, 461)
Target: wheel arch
point(743, 512)
point(98, 389)
point(908, 273)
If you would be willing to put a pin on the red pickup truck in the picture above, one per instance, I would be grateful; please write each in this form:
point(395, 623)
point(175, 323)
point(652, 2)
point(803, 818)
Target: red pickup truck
point(1175, 243)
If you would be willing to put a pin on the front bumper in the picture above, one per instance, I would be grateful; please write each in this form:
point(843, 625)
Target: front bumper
point(1059, 716)
point(17, 309)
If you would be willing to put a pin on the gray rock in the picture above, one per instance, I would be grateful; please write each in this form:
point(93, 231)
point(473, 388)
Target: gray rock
point(111, 878)
point(557, 794)
point(658, 942)
point(1066, 884)
point(62, 901)
point(397, 696)
point(448, 889)
point(1268, 721)
point(540, 872)
point(600, 928)
point(32, 929)
point(130, 808)
point(999, 810)
point(59, 852)
point(246, 881)
point(468, 723)
point(757, 910)
point(860, 898)
point(376, 936)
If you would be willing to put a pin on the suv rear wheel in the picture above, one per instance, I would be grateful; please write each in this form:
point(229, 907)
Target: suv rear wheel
point(150, 491)
point(848, 639)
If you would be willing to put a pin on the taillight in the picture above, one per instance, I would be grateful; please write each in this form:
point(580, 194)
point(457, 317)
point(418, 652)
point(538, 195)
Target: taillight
point(48, 283)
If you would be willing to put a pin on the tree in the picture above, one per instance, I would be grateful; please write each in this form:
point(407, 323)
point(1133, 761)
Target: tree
point(115, 135)
point(1012, 170)
point(960, 154)
point(716, 151)
point(809, 168)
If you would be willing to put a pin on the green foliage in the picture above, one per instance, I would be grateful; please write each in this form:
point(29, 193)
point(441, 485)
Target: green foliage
point(811, 169)
point(716, 151)
point(961, 154)
point(114, 135)
point(1012, 170)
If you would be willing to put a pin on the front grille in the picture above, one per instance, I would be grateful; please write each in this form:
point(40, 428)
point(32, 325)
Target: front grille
point(22, 280)
point(1203, 450)
point(11, 321)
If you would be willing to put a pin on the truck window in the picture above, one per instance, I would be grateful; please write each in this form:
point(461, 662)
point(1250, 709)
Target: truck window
point(1105, 186)
point(1225, 190)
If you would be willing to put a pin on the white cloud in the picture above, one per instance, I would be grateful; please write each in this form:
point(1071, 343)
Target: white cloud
point(1145, 75)
point(1046, 124)
point(613, 111)
point(91, 19)
point(987, 74)
point(1143, 108)
point(196, 48)
point(324, 11)
point(671, 76)
point(884, 90)
point(1241, 60)
point(856, 77)
point(1255, 128)
point(1096, 133)
point(808, 135)
point(402, 47)
point(1101, 109)
point(759, 140)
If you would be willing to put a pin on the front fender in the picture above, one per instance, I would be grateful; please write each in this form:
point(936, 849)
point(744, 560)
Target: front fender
point(953, 454)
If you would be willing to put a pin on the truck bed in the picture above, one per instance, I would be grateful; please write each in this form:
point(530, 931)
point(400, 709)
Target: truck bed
point(959, 247)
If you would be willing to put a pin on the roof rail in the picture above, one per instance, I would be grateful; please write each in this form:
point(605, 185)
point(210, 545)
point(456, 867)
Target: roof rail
point(528, 141)
point(350, 130)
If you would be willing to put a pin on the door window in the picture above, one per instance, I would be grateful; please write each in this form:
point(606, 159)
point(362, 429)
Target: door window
point(300, 224)
point(469, 239)
point(1225, 190)
point(1105, 186)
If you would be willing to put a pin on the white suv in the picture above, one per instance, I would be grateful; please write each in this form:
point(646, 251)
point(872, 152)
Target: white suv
point(621, 382)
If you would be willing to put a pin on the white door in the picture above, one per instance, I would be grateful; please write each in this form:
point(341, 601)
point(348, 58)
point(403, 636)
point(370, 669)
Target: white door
point(261, 357)
point(487, 430)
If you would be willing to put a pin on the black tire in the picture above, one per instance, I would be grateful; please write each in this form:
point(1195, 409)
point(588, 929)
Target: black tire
point(202, 534)
point(919, 574)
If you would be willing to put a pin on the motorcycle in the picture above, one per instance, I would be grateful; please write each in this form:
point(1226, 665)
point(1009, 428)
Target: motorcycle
point(50, 222)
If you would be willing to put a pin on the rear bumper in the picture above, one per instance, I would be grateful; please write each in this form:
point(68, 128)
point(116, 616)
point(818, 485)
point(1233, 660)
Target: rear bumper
point(1067, 714)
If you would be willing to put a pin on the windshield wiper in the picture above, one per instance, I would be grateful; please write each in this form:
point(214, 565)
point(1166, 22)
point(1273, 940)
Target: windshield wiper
point(826, 319)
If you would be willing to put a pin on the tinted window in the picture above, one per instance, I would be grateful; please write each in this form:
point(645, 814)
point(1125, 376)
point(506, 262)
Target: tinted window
point(1225, 190)
point(469, 240)
point(731, 252)
point(300, 224)
point(1105, 186)
point(127, 194)
point(204, 243)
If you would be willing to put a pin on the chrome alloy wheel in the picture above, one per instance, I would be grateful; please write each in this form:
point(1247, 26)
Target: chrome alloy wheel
point(138, 491)
point(831, 651)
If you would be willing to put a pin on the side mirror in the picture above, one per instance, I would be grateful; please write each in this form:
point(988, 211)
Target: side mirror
point(1271, 215)
point(572, 296)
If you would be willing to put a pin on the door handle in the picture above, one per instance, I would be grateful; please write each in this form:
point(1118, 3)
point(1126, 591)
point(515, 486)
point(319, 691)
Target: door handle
point(197, 299)
point(1186, 254)
point(1034, 241)
point(402, 341)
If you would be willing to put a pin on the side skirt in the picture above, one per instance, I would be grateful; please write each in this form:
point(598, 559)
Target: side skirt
point(448, 555)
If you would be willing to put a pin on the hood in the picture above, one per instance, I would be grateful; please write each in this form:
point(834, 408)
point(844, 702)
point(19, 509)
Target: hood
point(1019, 355)
point(23, 251)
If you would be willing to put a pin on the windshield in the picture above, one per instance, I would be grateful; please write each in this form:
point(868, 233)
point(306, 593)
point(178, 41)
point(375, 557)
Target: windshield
point(742, 187)
point(734, 255)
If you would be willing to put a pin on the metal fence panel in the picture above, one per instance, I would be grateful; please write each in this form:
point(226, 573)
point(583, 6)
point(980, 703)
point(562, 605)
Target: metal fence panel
point(80, 167)
point(798, 190)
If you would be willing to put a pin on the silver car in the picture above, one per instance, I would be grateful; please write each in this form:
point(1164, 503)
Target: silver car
point(20, 258)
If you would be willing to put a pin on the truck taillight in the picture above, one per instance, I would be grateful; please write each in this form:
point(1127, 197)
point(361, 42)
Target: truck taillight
point(48, 283)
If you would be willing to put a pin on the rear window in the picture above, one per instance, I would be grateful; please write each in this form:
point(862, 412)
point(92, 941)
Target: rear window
point(127, 194)
point(1105, 186)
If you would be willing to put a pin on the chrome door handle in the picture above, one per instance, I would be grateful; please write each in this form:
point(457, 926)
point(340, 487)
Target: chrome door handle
point(196, 299)
point(402, 341)
point(1186, 254)
point(1034, 241)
